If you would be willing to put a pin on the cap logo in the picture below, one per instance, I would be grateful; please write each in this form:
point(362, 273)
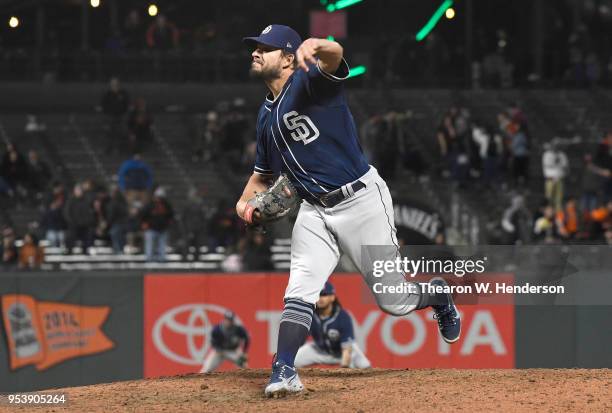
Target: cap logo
point(266, 30)
point(289, 45)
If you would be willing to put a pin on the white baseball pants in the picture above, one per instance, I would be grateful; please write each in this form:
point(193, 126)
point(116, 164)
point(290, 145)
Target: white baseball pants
point(310, 354)
point(216, 357)
point(320, 234)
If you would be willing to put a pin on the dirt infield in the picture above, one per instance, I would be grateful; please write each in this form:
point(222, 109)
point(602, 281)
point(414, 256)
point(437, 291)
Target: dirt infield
point(337, 390)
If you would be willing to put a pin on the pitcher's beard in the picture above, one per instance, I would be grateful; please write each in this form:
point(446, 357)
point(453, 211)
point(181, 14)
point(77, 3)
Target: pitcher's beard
point(265, 74)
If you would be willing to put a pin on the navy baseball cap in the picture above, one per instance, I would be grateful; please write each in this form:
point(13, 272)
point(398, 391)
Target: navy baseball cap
point(328, 289)
point(278, 36)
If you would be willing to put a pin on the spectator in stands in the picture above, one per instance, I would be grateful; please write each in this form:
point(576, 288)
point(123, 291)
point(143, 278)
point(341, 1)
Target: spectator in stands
point(33, 126)
point(519, 150)
point(503, 123)
point(135, 180)
point(368, 135)
point(601, 221)
point(162, 34)
point(14, 170)
point(518, 117)
point(256, 253)
point(116, 215)
point(207, 144)
point(53, 221)
point(31, 255)
point(205, 38)
point(608, 236)
point(387, 146)
point(194, 222)
point(591, 185)
point(248, 157)
point(133, 231)
point(139, 127)
point(235, 127)
point(490, 148)
point(133, 31)
point(8, 249)
point(516, 222)
point(602, 166)
point(461, 120)
point(156, 219)
point(5, 188)
point(80, 217)
point(445, 136)
point(554, 166)
point(39, 174)
point(99, 204)
point(545, 227)
point(115, 104)
point(224, 227)
point(56, 189)
point(91, 190)
point(453, 150)
point(504, 129)
point(568, 219)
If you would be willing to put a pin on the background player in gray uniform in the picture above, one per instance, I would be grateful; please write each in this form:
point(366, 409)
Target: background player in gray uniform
point(229, 341)
point(333, 336)
point(306, 131)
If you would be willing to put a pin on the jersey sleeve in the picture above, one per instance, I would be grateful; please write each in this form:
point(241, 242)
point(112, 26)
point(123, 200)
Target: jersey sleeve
point(347, 335)
point(217, 339)
point(326, 88)
point(242, 333)
point(262, 166)
point(261, 162)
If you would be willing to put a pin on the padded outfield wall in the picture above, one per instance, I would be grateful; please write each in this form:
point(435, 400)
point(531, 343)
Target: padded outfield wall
point(69, 329)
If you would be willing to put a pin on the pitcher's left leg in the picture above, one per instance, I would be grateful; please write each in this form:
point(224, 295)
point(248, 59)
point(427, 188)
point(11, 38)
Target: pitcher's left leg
point(367, 220)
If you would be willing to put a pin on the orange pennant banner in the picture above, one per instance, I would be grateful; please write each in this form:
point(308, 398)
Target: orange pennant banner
point(47, 333)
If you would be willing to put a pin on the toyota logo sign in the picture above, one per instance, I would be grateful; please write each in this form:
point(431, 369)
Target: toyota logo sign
point(196, 328)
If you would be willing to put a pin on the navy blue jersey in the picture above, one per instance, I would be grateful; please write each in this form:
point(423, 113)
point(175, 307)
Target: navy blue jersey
point(332, 333)
point(229, 338)
point(308, 133)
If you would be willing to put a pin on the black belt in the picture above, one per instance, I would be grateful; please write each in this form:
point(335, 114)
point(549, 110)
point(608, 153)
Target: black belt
point(333, 198)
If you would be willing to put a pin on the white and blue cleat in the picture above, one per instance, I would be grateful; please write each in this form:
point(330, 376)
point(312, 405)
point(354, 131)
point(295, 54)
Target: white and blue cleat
point(447, 315)
point(284, 380)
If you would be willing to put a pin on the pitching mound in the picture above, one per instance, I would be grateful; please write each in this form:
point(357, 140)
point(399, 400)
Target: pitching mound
point(340, 390)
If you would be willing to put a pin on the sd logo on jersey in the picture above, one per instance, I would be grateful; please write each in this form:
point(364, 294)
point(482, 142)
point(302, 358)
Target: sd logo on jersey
point(301, 127)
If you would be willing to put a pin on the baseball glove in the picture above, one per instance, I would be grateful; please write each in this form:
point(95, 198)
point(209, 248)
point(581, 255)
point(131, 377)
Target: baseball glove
point(273, 204)
point(242, 360)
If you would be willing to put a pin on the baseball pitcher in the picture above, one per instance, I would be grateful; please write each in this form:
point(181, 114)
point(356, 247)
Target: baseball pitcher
point(307, 141)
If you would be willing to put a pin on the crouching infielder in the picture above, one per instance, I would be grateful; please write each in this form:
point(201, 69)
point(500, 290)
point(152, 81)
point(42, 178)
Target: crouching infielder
point(230, 341)
point(333, 337)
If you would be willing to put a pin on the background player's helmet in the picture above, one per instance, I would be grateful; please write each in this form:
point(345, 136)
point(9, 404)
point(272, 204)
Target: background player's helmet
point(328, 289)
point(277, 35)
point(229, 315)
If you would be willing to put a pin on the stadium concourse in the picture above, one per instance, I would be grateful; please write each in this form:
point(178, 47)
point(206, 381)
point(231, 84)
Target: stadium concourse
point(447, 145)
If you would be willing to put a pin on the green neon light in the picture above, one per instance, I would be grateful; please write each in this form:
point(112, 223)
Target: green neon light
point(356, 71)
point(433, 20)
point(330, 38)
point(341, 4)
